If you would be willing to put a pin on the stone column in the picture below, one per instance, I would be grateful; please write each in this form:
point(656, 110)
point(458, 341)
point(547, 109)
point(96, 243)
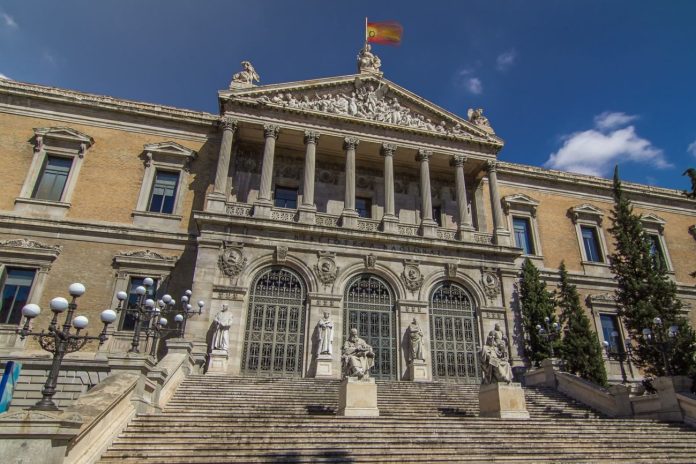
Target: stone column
point(500, 233)
point(389, 220)
point(216, 200)
point(308, 209)
point(349, 216)
point(428, 225)
point(464, 228)
point(262, 207)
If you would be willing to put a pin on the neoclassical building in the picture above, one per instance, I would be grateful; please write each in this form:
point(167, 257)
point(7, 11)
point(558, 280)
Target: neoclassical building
point(347, 195)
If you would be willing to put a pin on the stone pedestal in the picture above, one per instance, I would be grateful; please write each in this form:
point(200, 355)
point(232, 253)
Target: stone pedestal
point(217, 362)
point(390, 224)
point(349, 219)
point(307, 214)
point(263, 209)
point(358, 398)
point(324, 367)
point(505, 401)
point(418, 371)
point(215, 202)
point(146, 396)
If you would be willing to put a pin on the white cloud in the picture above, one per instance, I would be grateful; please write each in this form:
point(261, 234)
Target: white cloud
point(2, 76)
point(474, 85)
point(465, 78)
point(49, 58)
point(596, 151)
point(692, 148)
point(506, 60)
point(9, 21)
point(611, 120)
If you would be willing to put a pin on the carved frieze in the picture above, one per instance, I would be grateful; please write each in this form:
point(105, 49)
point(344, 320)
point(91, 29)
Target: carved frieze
point(491, 283)
point(232, 260)
point(326, 268)
point(30, 244)
point(411, 275)
point(147, 254)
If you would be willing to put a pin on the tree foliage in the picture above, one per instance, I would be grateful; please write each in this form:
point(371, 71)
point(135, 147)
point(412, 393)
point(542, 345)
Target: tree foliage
point(580, 349)
point(691, 172)
point(536, 304)
point(645, 291)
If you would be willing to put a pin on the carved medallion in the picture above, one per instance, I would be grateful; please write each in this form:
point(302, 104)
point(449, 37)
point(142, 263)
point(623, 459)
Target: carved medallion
point(370, 261)
point(412, 276)
point(281, 254)
point(491, 283)
point(326, 268)
point(451, 270)
point(232, 261)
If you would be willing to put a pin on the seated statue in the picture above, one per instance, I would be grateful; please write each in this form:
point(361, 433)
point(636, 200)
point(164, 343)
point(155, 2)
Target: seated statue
point(495, 368)
point(357, 357)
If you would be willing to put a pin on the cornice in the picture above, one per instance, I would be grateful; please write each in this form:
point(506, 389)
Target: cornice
point(106, 102)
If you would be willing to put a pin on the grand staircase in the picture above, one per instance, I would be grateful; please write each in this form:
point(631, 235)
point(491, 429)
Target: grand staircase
point(223, 419)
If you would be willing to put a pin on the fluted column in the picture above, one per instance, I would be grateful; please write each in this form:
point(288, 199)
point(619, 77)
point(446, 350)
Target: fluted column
point(428, 225)
point(308, 208)
point(464, 228)
point(350, 215)
point(217, 198)
point(389, 219)
point(262, 207)
point(500, 234)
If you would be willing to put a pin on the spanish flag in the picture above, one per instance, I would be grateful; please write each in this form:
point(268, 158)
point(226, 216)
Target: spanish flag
point(383, 33)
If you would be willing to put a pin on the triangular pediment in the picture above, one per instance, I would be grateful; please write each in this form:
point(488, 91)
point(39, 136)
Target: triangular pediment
point(63, 133)
point(169, 148)
point(652, 218)
point(586, 211)
point(364, 99)
point(520, 201)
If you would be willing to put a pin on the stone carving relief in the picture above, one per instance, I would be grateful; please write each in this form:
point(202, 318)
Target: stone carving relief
point(326, 268)
point(365, 101)
point(412, 276)
point(415, 342)
point(281, 254)
point(491, 283)
point(247, 159)
point(451, 270)
point(30, 244)
point(325, 327)
point(232, 261)
point(222, 324)
point(288, 167)
point(246, 77)
point(146, 254)
point(370, 261)
point(477, 118)
point(368, 62)
point(494, 358)
point(357, 357)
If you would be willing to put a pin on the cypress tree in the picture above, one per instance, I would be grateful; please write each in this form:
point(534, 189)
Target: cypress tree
point(580, 349)
point(536, 304)
point(645, 291)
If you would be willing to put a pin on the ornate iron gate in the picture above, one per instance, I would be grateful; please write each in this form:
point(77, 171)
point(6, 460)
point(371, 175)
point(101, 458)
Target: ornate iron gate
point(453, 335)
point(275, 328)
point(369, 307)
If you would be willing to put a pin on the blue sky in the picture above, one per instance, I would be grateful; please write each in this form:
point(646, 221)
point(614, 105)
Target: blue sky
point(574, 85)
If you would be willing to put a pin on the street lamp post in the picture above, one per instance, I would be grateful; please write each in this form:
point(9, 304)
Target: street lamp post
point(61, 340)
point(549, 333)
point(143, 310)
point(169, 304)
point(622, 356)
point(660, 341)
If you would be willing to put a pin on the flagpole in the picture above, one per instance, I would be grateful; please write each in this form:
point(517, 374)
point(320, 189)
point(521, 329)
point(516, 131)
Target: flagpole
point(365, 30)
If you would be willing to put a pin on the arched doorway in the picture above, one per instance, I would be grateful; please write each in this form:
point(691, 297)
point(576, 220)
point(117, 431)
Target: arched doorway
point(454, 338)
point(275, 328)
point(369, 307)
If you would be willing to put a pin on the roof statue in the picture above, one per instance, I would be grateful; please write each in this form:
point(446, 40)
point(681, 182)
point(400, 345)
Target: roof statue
point(476, 117)
point(368, 62)
point(245, 78)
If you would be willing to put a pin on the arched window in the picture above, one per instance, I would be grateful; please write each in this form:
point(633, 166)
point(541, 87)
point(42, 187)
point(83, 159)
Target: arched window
point(274, 338)
point(369, 307)
point(454, 338)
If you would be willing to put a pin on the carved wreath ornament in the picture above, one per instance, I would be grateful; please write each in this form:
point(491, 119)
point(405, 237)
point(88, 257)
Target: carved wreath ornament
point(491, 284)
point(412, 276)
point(326, 269)
point(231, 261)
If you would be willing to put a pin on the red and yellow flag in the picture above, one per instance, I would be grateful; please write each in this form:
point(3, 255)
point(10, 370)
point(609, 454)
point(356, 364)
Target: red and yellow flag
point(383, 33)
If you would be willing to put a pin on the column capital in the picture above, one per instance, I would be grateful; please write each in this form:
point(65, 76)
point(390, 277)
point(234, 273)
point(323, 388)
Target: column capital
point(491, 166)
point(311, 137)
point(227, 123)
point(271, 130)
point(424, 155)
point(458, 160)
point(350, 143)
point(388, 149)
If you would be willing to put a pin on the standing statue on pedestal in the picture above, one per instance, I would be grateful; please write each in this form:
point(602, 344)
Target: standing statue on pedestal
point(495, 368)
point(326, 332)
point(368, 61)
point(415, 338)
point(357, 357)
point(222, 324)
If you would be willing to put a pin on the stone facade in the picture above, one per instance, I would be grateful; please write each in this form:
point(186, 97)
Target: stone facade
point(393, 209)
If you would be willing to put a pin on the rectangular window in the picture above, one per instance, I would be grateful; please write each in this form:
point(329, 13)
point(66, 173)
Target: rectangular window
point(364, 207)
point(15, 294)
point(285, 197)
point(164, 192)
point(523, 234)
point(656, 250)
point(590, 241)
point(53, 177)
point(611, 332)
point(128, 320)
point(437, 215)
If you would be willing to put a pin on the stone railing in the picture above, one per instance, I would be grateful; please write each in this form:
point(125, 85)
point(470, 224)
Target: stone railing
point(368, 225)
point(446, 234)
point(238, 209)
point(408, 230)
point(284, 214)
point(326, 220)
point(485, 239)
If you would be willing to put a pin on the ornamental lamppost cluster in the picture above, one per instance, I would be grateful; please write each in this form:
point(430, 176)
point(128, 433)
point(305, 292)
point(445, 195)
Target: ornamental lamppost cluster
point(61, 340)
point(662, 340)
point(148, 314)
point(614, 352)
point(549, 333)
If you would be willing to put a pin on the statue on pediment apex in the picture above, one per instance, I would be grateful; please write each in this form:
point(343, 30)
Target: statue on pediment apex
point(368, 62)
point(477, 118)
point(246, 77)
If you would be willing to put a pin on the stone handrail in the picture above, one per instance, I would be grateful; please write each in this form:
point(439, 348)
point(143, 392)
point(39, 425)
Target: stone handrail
point(687, 403)
point(613, 402)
